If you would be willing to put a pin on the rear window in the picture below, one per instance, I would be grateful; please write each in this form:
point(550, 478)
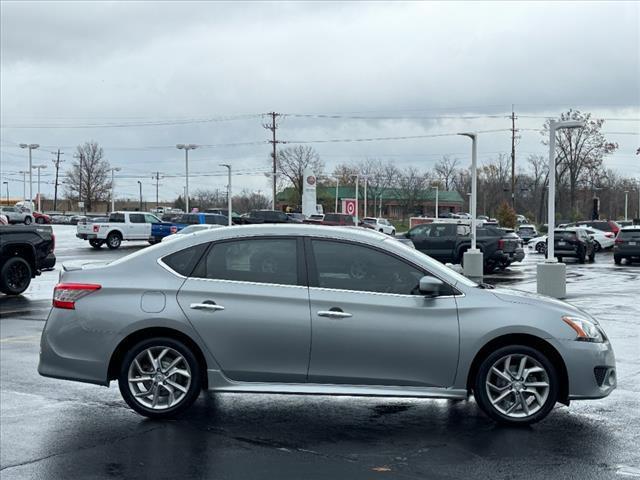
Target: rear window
point(369, 220)
point(526, 229)
point(116, 218)
point(184, 261)
point(215, 220)
point(627, 234)
point(564, 235)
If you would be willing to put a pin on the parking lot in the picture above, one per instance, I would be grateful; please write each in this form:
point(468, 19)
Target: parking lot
point(58, 429)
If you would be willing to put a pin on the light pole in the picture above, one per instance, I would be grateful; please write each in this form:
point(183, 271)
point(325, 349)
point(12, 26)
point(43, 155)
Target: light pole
point(186, 147)
point(365, 196)
point(39, 167)
point(626, 204)
point(24, 185)
point(7, 184)
point(437, 187)
point(228, 193)
point(473, 258)
point(113, 188)
point(140, 186)
point(337, 189)
point(30, 146)
point(357, 177)
point(552, 275)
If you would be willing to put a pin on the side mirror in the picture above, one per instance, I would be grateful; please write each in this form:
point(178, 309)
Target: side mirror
point(430, 286)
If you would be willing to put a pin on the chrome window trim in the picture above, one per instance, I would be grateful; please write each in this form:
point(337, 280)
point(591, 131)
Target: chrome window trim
point(243, 282)
point(359, 292)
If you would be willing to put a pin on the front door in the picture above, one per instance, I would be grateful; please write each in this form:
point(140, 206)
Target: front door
point(138, 228)
point(370, 326)
point(249, 302)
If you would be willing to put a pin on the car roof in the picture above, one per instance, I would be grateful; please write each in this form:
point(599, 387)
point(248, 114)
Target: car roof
point(631, 227)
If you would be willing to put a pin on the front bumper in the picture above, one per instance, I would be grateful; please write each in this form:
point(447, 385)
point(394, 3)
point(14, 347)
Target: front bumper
point(591, 369)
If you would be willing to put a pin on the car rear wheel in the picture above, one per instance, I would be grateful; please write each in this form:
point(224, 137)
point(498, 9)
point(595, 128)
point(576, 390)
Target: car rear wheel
point(540, 247)
point(617, 260)
point(597, 247)
point(28, 220)
point(40, 220)
point(160, 377)
point(592, 256)
point(516, 384)
point(114, 240)
point(15, 276)
point(96, 243)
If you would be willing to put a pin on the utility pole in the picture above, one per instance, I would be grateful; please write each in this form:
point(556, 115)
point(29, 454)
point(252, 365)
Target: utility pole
point(79, 157)
point(56, 162)
point(157, 179)
point(273, 126)
point(513, 158)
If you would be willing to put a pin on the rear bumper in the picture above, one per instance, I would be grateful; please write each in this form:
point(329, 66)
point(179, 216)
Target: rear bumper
point(87, 236)
point(48, 262)
point(565, 253)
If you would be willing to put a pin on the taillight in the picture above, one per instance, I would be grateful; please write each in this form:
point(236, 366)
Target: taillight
point(619, 240)
point(501, 244)
point(96, 228)
point(65, 295)
point(173, 229)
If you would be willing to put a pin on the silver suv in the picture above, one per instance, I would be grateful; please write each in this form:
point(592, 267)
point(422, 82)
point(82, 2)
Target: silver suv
point(16, 215)
point(237, 310)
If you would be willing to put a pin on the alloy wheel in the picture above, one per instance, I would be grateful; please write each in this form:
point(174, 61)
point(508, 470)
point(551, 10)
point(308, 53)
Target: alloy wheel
point(159, 378)
point(18, 275)
point(517, 385)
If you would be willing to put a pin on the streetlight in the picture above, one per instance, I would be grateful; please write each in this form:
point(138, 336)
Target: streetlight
point(437, 186)
point(7, 184)
point(186, 147)
point(228, 193)
point(140, 185)
point(24, 185)
point(30, 146)
point(357, 177)
point(626, 204)
point(113, 188)
point(337, 189)
point(473, 259)
point(39, 167)
point(365, 195)
point(552, 275)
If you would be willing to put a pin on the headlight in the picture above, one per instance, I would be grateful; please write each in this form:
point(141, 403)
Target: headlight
point(586, 330)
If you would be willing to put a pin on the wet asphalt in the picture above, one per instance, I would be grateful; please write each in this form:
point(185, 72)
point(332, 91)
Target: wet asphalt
point(54, 429)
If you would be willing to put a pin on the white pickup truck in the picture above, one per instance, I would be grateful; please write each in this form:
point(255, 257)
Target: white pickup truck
point(121, 226)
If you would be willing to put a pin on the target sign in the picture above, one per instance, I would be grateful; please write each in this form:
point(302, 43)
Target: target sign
point(349, 206)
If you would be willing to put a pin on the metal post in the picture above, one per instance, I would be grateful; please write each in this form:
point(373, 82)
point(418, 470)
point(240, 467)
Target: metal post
point(24, 185)
point(337, 189)
point(7, 184)
point(474, 188)
point(626, 204)
point(437, 191)
point(113, 188)
point(186, 188)
point(357, 203)
point(228, 194)
point(39, 167)
point(365, 197)
point(140, 185)
point(551, 207)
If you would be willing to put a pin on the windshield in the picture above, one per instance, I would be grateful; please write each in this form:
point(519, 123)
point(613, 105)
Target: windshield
point(369, 220)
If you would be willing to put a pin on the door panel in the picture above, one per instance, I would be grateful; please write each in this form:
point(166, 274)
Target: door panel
point(384, 332)
point(263, 333)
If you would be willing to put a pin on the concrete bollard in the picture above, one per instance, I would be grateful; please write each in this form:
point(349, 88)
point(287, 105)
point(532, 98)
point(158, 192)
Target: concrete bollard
point(552, 279)
point(473, 263)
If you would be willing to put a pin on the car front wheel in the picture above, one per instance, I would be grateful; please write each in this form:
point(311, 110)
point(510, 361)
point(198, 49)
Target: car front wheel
point(15, 276)
point(516, 384)
point(27, 220)
point(160, 377)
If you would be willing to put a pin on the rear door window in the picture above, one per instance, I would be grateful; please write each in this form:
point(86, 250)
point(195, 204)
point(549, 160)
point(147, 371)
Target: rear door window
point(184, 261)
point(116, 218)
point(136, 218)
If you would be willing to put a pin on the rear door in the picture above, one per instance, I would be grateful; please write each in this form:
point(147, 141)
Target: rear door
point(249, 301)
point(441, 241)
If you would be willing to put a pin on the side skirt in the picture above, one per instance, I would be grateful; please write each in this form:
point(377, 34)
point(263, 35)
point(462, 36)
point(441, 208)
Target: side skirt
point(219, 383)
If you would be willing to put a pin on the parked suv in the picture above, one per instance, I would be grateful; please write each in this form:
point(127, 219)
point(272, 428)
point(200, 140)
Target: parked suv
point(527, 232)
point(627, 245)
point(604, 225)
point(338, 219)
point(16, 215)
point(574, 242)
point(268, 216)
point(380, 224)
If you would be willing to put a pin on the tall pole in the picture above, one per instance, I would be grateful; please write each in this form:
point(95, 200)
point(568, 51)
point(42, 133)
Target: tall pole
point(113, 188)
point(229, 210)
point(626, 204)
point(437, 192)
point(55, 185)
point(186, 147)
point(273, 126)
point(39, 167)
point(474, 188)
point(365, 197)
point(551, 207)
point(157, 179)
point(24, 185)
point(357, 203)
point(337, 189)
point(513, 158)
point(140, 185)
point(7, 184)
point(30, 180)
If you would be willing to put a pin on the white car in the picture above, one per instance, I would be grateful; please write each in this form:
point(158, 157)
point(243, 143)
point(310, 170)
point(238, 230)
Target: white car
point(190, 229)
point(16, 215)
point(4, 220)
point(601, 239)
point(121, 226)
point(538, 244)
point(380, 224)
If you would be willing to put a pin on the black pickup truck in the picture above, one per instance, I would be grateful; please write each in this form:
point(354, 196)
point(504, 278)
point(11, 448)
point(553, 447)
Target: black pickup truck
point(447, 243)
point(24, 253)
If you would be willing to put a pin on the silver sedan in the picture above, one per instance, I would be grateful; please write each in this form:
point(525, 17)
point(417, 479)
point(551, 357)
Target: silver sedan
point(316, 310)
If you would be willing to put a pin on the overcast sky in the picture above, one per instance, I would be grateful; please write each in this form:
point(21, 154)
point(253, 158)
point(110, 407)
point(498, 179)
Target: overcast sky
point(129, 66)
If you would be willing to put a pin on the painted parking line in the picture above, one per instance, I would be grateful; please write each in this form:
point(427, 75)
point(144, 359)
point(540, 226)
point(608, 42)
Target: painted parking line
point(23, 339)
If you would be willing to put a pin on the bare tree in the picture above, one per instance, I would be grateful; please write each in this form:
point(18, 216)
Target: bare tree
point(89, 179)
point(247, 201)
point(205, 198)
point(292, 163)
point(345, 173)
point(445, 171)
point(410, 185)
point(578, 150)
point(380, 176)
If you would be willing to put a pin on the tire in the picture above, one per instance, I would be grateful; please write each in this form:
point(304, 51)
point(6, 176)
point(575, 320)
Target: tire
point(381, 231)
point(510, 409)
point(559, 259)
point(540, 247)
point(114, 240)
point(28, 220)
point(40, 220)
point(592, 257)
point(582, 256)
point(144, 405)
point(597, 247)
point(617, 260)
point(393, 233)
point(96, 243)
point(154, 241)
point(15, 276)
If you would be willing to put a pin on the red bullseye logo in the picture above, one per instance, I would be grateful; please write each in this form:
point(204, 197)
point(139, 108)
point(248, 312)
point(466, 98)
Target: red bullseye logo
point(351, 208)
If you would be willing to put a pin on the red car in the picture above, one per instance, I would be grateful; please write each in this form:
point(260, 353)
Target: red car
point(41, 218)
point(604, 225)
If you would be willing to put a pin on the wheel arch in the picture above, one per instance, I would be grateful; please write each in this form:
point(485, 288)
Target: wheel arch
point(116, 232)
point(530, 341)
point(151, 332)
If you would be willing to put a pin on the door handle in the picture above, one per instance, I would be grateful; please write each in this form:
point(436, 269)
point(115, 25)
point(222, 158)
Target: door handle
point(206, 306)
point(334, 314)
